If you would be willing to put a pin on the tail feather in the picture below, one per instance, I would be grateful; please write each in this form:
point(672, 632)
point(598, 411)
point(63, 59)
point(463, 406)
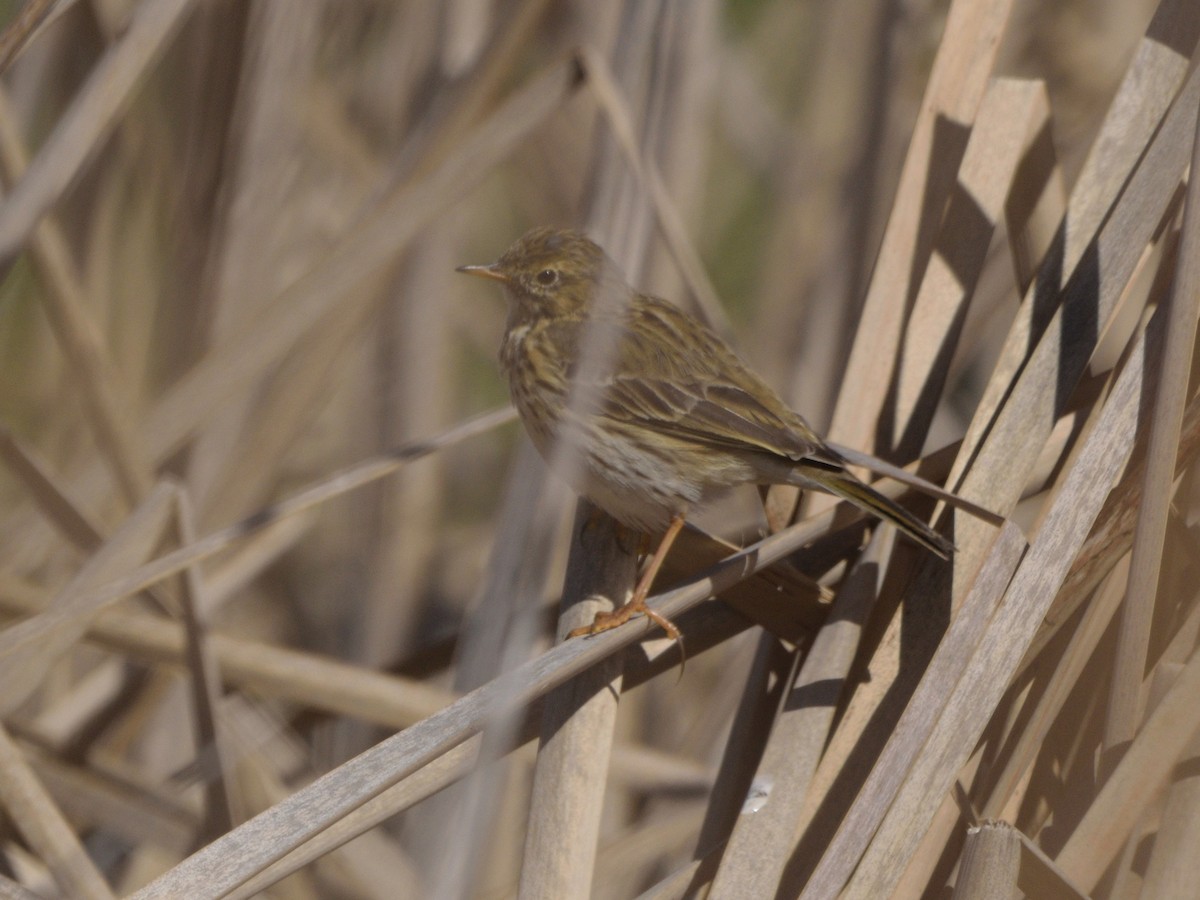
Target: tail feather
point(843, 484)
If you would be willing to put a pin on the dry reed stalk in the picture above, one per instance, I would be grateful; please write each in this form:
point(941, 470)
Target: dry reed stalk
point(991, 862)
point(1182, 310)
point(1168, 873)
point(569, 781)
point(1151, 83)
point(44, 827)
point(457, 763)
point(1011, 117)
point(956, 86)
point(568, 792)
point(756, 854)
point(260, 668)
point(91, 117)
point(17, 33)
point(1001, 650)
point(955, 89)
point(205, 677)
point(271, 834)
point(80, 338)
point(95, 797)
point(1134, 782)
point(30, 648)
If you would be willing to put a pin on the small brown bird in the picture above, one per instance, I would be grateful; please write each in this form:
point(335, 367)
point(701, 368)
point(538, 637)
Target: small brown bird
point(643, 409)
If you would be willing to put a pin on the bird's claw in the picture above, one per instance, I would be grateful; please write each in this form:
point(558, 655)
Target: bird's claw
point(606, 621)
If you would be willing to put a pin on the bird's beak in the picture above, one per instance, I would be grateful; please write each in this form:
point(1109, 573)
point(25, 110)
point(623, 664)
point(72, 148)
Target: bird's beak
point(491, 271)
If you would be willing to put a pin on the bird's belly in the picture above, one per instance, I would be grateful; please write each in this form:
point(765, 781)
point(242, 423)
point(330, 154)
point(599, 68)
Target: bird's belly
point(642, 479)
point(637, 488)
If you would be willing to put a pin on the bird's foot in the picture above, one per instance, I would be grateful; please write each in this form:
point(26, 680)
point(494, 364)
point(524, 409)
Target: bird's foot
point(606, 621)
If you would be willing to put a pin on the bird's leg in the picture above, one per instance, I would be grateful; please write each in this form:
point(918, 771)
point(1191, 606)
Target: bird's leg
point(637, 603)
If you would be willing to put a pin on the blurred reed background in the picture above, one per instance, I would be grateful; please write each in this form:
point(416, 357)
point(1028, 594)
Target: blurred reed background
point(228, 237)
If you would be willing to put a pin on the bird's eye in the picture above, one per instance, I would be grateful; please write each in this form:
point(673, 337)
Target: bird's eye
point(547, 277)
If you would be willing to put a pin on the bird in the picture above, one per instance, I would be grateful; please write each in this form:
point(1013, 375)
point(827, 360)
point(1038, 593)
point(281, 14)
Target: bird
point(646, 411)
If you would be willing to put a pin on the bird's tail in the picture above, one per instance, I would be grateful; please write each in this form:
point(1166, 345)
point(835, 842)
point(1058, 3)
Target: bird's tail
point(845, 485)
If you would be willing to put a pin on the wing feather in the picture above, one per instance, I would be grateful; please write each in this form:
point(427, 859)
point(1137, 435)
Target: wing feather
point(706, 396)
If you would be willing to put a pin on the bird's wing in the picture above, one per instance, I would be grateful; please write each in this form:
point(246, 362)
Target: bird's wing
point(669, 374)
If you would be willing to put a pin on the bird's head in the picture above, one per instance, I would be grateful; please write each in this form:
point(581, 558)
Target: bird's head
point(550, 272)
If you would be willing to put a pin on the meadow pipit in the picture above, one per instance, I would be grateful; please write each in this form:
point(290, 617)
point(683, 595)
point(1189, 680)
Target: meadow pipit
point(643, 409)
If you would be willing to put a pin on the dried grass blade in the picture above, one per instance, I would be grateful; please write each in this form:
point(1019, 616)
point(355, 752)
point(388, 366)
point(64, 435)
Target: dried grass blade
point(1041, 877)
point(1000, 448)
point(100, 798)
point(445, 770)
point(578, 719)
point(31, 17)
point(757, 598)
point(1059, 685)
point(764, 834)
point(963, 710)
point(1150, 87)
point(358, 255)
point(303, 678)
point(82, 344)
point(30, 648)
point(1113, 535)
point(1035, 208)
point(1135, 781)
point(956, 86)
point(1155, 74)
point(1172, 868)
point(63, 513)
point(920, 719)
point(282, 409)
point(991, 862)
point(1137, 611)
point(233, 858)
point(35, 815)
point(306, 679)
point(203, 668)
point(456, 763)
point(704, 627)
point(1010, 117)
point(612, 102)
point(91, 116)
point(245, 563)
point(334, 486)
